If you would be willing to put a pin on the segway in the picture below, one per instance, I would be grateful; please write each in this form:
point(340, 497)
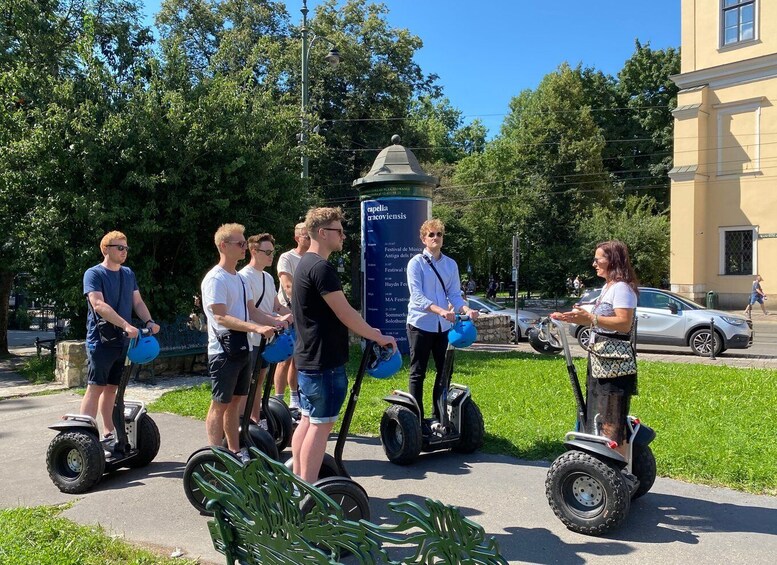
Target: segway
point(460, 428)
point(590, 487)
point(274, 411)
point(76, 458)
point(333, 478)
point(252, 435)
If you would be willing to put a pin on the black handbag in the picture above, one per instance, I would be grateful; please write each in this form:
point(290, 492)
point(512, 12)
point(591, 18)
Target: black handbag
point(234, 342)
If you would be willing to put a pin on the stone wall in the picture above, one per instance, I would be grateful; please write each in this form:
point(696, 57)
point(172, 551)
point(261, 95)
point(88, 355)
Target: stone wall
point(493, 328)
point(71, 364)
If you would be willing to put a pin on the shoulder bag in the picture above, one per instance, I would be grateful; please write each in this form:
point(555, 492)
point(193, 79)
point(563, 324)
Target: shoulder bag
point(611, 356)
point(234, 342)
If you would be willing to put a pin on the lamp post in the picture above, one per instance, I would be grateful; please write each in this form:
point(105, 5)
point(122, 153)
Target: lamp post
point(333, 58)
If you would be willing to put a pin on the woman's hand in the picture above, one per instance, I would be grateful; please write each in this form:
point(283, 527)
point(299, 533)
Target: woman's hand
point(575, 316)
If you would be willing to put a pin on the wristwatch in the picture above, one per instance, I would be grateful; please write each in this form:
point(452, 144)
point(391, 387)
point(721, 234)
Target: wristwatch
point(149, 322)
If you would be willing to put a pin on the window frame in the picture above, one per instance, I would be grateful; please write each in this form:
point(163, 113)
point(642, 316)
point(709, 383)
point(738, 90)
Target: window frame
point(722, 250)
point(722, 30)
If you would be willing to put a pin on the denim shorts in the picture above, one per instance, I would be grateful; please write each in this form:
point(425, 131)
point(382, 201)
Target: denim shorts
point(322, 393)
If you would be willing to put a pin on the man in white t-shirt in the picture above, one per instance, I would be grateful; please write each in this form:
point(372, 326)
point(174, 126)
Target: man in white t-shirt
point(287, 264)
point(262, 249)
point(229, 308)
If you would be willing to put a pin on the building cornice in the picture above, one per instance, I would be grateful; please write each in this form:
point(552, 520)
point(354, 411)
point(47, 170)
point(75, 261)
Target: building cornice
point(730, 74)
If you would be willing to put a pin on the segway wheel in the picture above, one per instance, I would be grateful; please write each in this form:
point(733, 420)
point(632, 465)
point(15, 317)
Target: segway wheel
point(472, 428)
point(400, 434)
point(588, 495)
point(75, 461)
point(282, 417)
point(347, 493)
point(644, 468)
point(328, 467)
point(148, 442)
point(197, 464)
point(263, 441)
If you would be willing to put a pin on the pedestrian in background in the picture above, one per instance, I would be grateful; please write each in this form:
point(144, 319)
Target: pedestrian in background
point(756, 295)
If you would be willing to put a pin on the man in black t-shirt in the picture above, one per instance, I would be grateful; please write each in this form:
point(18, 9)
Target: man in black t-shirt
point(323, 317)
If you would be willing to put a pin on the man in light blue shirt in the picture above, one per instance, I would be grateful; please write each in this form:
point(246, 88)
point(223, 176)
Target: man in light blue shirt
point(435, 298)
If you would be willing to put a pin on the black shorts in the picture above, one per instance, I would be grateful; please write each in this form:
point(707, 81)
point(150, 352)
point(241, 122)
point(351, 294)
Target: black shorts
point(104, 365)
point(610, 400)
point(228, 377)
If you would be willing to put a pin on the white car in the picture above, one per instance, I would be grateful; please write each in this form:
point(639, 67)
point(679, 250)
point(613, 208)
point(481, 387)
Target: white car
point(521, 320)
point(666, 318)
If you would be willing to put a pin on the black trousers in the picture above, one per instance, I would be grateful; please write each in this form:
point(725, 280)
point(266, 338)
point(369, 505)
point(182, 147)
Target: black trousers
point(422, 345)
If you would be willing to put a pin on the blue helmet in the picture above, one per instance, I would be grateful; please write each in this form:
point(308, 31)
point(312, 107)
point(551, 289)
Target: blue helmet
point(143, 349)
point(280, 348)
point(384, 362)
point(462, 334)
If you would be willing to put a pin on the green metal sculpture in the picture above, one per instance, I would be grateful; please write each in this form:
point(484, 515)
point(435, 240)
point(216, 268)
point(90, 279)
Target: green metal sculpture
point(258, 519)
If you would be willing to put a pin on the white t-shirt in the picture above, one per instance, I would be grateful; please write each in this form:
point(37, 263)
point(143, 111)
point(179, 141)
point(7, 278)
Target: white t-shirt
point(617, 295)
point(287, 263)
point(260, 282)
point(221, 287)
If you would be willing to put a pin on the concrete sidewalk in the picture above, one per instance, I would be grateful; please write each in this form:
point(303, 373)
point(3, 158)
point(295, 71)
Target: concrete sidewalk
point(675, 523)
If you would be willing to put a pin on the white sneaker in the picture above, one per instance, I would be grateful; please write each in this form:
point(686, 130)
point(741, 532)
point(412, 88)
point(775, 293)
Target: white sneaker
point(262, 424)
point(243, 455)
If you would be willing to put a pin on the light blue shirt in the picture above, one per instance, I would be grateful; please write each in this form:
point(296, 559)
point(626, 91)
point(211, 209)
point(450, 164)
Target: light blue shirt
point(425, 290)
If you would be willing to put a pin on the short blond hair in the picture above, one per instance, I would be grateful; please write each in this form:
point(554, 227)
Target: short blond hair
point(434, 224)
point(110, 237)
point(317, 218)
point(301, 229)
point(225, 230)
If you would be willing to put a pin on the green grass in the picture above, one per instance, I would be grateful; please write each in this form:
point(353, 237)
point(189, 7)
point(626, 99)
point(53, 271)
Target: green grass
point(38, 370)
point(39, 535)
point(713, 423)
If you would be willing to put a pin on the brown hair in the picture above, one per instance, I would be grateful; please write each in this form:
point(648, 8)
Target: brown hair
point(321, 217)
point(619, 267)
point(255, 240)
point(109, 237)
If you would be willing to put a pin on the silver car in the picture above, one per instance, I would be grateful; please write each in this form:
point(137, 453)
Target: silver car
point(666, 318)
point(520, 322)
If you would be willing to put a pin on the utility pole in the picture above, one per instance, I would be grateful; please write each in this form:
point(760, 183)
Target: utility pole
point(516, 264)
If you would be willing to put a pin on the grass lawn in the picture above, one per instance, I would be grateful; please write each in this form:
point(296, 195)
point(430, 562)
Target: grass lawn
point(712, 422)
point(38, 535)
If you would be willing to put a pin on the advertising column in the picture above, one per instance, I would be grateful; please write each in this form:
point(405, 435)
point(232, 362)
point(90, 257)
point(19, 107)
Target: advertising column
point(396, 198)
point(390, 238)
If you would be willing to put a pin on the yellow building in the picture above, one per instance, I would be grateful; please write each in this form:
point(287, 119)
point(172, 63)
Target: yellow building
point(724, 180)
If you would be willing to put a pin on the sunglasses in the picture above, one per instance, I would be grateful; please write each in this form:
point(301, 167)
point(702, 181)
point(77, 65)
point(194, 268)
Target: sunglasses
point(338, 230)
point(435, 234)
point(267, 252)
point(241, 244)
point(119, 247)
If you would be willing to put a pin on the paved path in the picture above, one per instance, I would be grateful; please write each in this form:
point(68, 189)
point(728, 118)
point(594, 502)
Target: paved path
point(675, 523)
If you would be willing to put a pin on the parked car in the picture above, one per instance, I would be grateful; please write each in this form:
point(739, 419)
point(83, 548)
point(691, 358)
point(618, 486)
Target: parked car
point(666, 318)
point(523, 318)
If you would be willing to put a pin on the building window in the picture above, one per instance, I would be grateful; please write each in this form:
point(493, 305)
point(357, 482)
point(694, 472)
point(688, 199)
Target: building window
point(737, 250)
point(738, 21)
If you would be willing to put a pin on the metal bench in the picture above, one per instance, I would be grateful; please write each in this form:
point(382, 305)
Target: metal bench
point(258, 519)
point(177, 339)
point(48, 344)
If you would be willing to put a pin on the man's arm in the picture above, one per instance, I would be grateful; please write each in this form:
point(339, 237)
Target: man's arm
point(263, 318)
point(353, 320)
point(142, 311)
point(280, 308)
point(286, 283)
point(458, 302)
point(221, 317)
point(104, 310)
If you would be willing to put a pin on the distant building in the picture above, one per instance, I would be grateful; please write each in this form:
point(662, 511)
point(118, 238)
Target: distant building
point(724, 180)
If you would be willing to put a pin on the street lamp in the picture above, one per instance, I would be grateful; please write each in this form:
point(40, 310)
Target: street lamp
point(333, 58)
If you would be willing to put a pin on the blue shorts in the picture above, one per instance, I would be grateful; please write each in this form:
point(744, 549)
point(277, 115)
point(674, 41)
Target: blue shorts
point(755, 297)
point(322, 393)
point(104, 365)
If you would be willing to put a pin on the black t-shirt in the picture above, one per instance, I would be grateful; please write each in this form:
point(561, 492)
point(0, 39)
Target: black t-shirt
point(322, 339)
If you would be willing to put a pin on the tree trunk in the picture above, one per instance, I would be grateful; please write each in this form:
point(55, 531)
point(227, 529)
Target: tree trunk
point(6, 281)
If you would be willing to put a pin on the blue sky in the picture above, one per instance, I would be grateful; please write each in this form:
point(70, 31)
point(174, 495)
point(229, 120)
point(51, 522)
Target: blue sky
point(487, 51)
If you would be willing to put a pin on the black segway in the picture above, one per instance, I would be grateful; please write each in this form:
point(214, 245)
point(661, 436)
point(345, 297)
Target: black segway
point(76, 458)
point(590, 487)
point(460, 427)
point(333, 478)
point(252, 435)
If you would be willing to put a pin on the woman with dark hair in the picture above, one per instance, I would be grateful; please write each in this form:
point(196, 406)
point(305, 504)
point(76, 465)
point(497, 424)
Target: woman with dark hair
point(612, 317)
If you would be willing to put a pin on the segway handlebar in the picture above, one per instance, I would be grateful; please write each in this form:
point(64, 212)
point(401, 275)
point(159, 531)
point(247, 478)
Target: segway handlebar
point(546, 324)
